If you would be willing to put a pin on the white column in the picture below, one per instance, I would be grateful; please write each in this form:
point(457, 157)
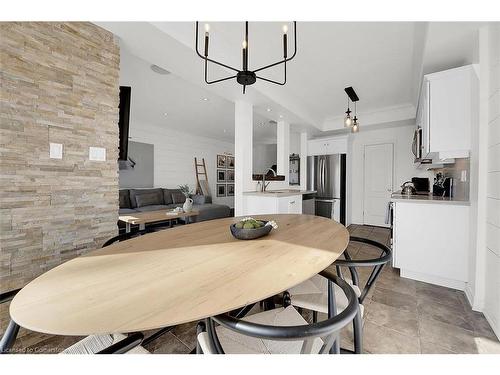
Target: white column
point(283, 149)
point(303, 161)
point(243, 147)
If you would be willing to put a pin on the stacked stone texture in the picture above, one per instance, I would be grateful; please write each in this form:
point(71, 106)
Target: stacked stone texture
point(58, 83)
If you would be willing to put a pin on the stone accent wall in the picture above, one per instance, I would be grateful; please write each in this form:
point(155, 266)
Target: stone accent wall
point(59, 83)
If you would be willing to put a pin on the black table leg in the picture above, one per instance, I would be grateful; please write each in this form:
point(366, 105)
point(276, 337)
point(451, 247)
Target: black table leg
point(9, 337)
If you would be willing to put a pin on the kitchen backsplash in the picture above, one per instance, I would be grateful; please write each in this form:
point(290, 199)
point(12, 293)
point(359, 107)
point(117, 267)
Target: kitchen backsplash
point(460, 188)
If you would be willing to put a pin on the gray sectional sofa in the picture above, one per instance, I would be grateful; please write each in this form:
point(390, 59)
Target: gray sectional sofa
point(143, 200)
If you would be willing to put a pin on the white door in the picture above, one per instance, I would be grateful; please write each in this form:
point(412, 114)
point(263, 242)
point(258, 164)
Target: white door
point(378, 171)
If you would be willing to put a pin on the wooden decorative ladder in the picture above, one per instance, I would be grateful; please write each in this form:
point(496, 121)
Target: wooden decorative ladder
point(199, 188)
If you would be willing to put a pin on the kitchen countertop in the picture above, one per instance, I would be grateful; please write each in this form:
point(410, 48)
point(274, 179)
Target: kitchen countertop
point(279, 193)
point(427, 198)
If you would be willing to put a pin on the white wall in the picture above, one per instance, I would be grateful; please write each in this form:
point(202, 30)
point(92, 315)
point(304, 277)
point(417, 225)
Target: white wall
point(264, 156)
point(404, 169)
point(174, 153)
point(492, 259)
point(294, 143)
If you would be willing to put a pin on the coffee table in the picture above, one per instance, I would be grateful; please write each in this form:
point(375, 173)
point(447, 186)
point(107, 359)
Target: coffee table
point(143, 218)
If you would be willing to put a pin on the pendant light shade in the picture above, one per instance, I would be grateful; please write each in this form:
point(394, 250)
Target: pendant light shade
point(347, 118)
point(355, 125)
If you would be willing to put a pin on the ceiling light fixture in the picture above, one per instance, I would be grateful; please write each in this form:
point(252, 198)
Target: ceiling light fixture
point(350, 122)
point(355, 123)
point(245, 76)
point(205, 99)
point(347, 118)
point(269, 110)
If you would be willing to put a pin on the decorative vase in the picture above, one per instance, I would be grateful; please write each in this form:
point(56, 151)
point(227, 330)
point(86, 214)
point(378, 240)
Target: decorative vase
point(188, 205)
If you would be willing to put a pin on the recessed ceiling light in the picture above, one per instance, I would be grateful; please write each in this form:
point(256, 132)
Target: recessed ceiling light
point(165, 114)
point(159, 70)
point(269, 110)
point(205, 99)
point(281, 116)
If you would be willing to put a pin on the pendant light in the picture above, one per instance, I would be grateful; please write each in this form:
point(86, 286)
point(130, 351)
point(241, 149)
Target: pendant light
point(347, 118)
point(244, 75)
point(355, 123)
point(349, 122)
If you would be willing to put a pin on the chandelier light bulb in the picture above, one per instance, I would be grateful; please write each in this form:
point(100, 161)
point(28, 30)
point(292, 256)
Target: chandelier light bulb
point(347, 121)
point(355, 125)
point(285, 29)
point(207, 27)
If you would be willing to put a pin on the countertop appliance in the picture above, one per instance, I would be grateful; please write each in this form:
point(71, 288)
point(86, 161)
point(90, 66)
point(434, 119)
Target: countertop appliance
point(443, 186)
point(326, 174)
point(408, 188)
point(421, 184)
point(416, 147)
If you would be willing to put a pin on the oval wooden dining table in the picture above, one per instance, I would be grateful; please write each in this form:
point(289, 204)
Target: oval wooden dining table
point(177, 275)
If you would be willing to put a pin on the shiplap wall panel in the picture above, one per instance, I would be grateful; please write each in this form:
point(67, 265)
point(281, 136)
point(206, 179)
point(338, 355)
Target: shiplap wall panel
point(492, 292)
point(59, 84)
point(174, 156)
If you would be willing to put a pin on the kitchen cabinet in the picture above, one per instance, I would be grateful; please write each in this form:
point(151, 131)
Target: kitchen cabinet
point(267, 203)
point(327, 146)
point(448, 106)
point(431, 242)
point(290, 205)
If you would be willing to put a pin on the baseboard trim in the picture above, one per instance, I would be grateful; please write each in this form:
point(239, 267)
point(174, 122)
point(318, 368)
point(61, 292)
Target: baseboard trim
point(470, 295)
point(432, 279)
point(493, 323)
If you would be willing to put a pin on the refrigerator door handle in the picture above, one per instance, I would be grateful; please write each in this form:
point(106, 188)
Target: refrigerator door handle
point(319, 176)
point(323, 166)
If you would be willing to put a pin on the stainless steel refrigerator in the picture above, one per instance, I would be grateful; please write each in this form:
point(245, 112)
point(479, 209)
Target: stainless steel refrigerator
point(326, 174)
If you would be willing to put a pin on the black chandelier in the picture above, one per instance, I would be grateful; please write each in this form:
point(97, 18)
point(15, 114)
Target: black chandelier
point(245, 76)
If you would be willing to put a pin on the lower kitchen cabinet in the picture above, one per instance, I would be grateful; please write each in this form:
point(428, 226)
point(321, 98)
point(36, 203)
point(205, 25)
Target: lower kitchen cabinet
point(431, 242)
point(262, 204)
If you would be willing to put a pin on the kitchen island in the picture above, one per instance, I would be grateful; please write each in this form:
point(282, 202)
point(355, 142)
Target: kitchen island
point(274, 201)
point(431, 239)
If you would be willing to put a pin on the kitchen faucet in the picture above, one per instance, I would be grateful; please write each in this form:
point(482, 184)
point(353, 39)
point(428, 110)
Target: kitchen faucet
point(264, 186)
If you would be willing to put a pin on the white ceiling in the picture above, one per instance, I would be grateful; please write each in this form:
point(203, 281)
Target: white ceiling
point(170, 101)
point(383, 61)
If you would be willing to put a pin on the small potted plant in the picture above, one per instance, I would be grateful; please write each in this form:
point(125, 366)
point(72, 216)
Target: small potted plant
point(188, 204)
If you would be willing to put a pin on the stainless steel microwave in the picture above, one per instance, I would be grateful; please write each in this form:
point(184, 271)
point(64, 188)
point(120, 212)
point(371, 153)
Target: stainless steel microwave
point(416, 147)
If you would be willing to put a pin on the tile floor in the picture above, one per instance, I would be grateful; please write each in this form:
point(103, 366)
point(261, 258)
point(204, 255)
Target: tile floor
point(402, 316)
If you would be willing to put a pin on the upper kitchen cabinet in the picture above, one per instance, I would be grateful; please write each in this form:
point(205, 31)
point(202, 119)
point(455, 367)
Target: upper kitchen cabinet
point(446, 111)
point(327, 146)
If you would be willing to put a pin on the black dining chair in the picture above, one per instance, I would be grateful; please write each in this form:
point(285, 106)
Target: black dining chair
point(125, 236)
point(312, 294)
point(279, 331)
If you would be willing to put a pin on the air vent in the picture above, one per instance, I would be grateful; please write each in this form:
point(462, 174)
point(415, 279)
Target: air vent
point(159, 70)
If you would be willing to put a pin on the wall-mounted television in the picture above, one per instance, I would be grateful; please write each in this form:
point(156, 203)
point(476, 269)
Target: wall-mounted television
point(123, 122)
